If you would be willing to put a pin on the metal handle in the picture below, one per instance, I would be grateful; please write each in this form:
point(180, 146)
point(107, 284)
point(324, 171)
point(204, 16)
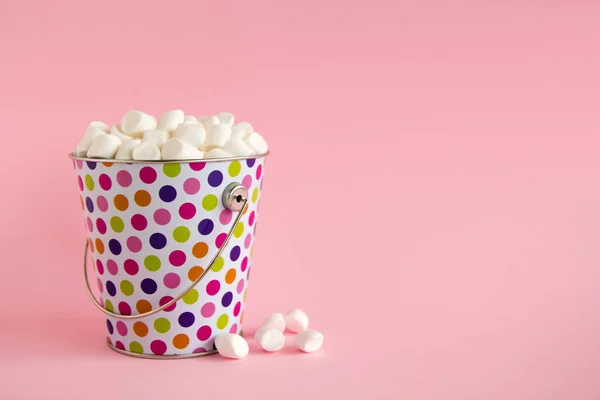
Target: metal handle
point(235, 198)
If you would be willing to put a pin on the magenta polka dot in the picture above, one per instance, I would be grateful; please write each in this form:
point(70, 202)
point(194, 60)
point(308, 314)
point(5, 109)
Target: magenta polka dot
point(190, 186)
point(240, 286)
point(247, 182)
point(213, 287)
point(171, 280)
point(225, 216)
point(187, 211)
point(237, 308)
point(204, 332)
point(233, 328)
point(80, 183)
point(248, 240)
point(124, 178)
point(244, 264)
point(119, 345)
point(89, 224)
point(251, 218)
point(101, 226)
point(158, 347)
point(139, 222)
point(258, 172)
point(100, 286)
point(177, 258)
point(148, 175)
point(121, 328)
point(105, 182)
point(102, 203)
point(134, 244)
point(199, 350)
point(124, 309)
point(197, 166)
point(165, 300)
point(220, 240)
point(112, 267)
point(131, 267)
point(99, 267)
point(208, 310)
point(162, 216)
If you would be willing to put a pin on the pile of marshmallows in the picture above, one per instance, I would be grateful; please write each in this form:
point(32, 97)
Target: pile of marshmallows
point(175, 136)
point(270, 336)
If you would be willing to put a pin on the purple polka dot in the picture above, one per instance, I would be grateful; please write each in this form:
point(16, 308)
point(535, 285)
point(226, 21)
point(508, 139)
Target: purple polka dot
point(119, 345)
point(124, 309)
point(149, 286)
point(233, 328)
point(177, 258)
point(237, 308)
point(109, 326)
point(248, 240)
point(186, 319)
point(258, 172)
point(240, 286)
point(139, 222)
point(89, 204)
point(187, 211)
point(112, 267)
point(208, 310)
point(162, 216)
point(124, 178)
point(220, 240)
point(190, 186)
point(131, 267)
point(213, 287)
point(205, 227)
point(105, 182)
point(80, 183)
point(121, 328)
point(91, 165)
point(110, 288)
point(134, 244)
point(165, 300)
point(197, 166)
point(148, 175)
point(215, 178)
point(247, 182)
point(227, 299)
point(114, 246)
point(225, 216)
point(250, 162)
point(101, 226)
point(158, 347)
point(204, 332)
point(158, 241)
point(244, 264)
point(167, 193)
point(99, 267)
point(235, 253)
point(90, 225)
point(171, 280)
point(102, 203)
point(251, 218)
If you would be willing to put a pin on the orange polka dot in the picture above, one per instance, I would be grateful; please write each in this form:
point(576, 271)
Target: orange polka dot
point(108, 340)
point(200, 249)
point(245, 210)
point(99, 246)
point(241, 318)
point(143, 306)
point(181, 341)
point(81, 200)
point(140, 328)
point(230, 276)
point(121, 202)
point(195, 272)
point(91, 245)
point(142, 198)
point(107, 164)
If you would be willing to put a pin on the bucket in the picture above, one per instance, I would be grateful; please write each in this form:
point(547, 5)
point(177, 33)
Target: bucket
point(171, 246)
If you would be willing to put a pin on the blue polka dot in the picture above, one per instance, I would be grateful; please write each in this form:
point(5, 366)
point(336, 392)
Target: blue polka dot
point(89, 204)
point(215, 178)
point(186, 319)
point(250, 162)
point(206, 226)
point(167, 193)
point(110, 288)
point(149, 286)
point(158, 241)
point(109, 326)
point(91, 164)
point(227, 299)
point(235, 253)
point(114, 246)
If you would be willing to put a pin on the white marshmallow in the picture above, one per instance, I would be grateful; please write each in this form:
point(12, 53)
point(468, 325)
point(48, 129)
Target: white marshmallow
point(145, 151)
point(104, 146)
point(135, 123)
point(208, 121)
point(170, 119)
point(101, 125)
point(191, 133)
point(190, 119)
point(309, 341)
point(91, 133)
point(275, 321)
point(257, 143)
point(230, 345)
point(116, 130)
point(241, 130)
point(177, 149)
point(217, 153)
point(238, 148)
point(126, 148)
point(156, 137)
point(270, 339)
point(225, 118)
point(296, 321)
point(217, 136)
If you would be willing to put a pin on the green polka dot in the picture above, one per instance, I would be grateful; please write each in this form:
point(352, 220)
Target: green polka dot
point(108, 305)
point(172, 170)
point(255, 195)
point(239, 230)
point(235, 168)
point(89, 182)
point(126, 288)
point(152, 263)
point(222, 321)
point(181, 234)
point(210, 202)
point(162, 325)
point(135, 347)
point(191, 297)
point(218, 265)
point(117, 224)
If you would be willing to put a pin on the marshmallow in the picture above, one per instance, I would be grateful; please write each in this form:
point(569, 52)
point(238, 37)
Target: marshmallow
point(191, 133)
point(135, 122)
point(270, 339)
point(92, 132)
point(208, 121)
point(238, 148)
point(275, 321)
point(309, 341)
point(177, 149)
point(156, 137)
point(104, 146)
point(230, 345)
point(257, 143)
point(116, 130)
point(101, 125)
point(296, 321)
point(126, 148)
point(217, 153)
point(216, 136)
point(241, 130)
point(170, 119)
point(225, 118)
point(145, 151)
point(190, 119)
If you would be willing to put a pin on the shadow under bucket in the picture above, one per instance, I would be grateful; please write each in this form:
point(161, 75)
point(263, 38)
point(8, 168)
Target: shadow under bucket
point(171, 245)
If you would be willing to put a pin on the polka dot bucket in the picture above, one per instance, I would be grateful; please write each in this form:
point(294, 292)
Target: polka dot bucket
point(171, 247)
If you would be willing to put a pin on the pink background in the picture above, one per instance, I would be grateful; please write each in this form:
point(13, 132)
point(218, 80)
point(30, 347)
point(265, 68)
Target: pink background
point(432, 200)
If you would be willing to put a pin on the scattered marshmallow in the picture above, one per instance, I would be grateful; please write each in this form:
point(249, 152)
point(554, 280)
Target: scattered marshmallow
point(177, 149)
point(257, 143)
point(217, 136)
point(92, 132)
point(190, 119)
point(217, 153)
point(225, 118)
point(101, 125)
point(170, 119)
point(230, 345)
point(104, 146)
point(208, 121)
point(135, 123)
point(238, 148)
point(156, 137)
point(296, 321)
point(126, 148)
point(145, 151)
point(309, 341)
point(191, 133)
point(241, 130)
point(275, 321)
point(116, 130)
point(270, 339)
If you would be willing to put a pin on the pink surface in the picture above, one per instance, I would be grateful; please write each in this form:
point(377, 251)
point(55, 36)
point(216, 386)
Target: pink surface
point(442, 231)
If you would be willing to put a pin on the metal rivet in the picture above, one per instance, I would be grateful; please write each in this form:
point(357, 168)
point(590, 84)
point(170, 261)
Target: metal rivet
point(234, 196)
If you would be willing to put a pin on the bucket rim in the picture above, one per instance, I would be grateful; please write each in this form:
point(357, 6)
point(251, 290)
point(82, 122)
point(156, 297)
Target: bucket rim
point(197, 160)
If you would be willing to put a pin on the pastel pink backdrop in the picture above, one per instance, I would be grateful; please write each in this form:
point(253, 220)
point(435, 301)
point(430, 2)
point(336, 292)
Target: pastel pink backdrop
point(432, 199)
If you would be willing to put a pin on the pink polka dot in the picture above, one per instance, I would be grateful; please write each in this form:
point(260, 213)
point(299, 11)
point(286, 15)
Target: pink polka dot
point(148, 175)
point(244, 264)
point(197, 166)
point(187, 211)
point(240, 286)
point(79, 164)
point(131, 267)
point(247, 182)
point(119, 345)
point(158, 347)
point(105, 182)
point(134, 244)
point(213, 287)
point(190, 186)
point(220, 240)
point(124, 309)
point(80, 183)
point(177, 258)
point(162, 216)
point(171, 280)
point(139, 222)
point(165, 300)
point(248, 240)
point(236, 309)
point(199, 350)
point(233, 328)
point(90, 225)
point(258, 172)
point(208, 310)
point(251, 218)
point(100, 267)
point(225, 216)
point(124, 178)
point(102, 203)
point(112, 267)
point(204, 332)
point(100, 286)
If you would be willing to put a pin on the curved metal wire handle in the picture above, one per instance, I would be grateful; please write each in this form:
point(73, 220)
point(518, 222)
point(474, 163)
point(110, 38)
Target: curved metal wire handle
point(180, 295)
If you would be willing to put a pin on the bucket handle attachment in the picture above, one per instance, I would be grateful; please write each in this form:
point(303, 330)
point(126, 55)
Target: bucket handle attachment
point(235, 199)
